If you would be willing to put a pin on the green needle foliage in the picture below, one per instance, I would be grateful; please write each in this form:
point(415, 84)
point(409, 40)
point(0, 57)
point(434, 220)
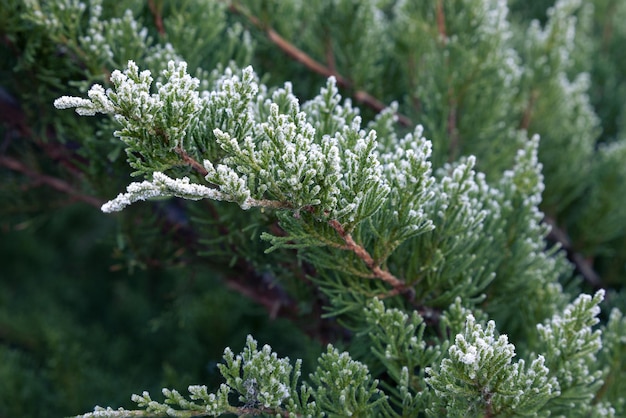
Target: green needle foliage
point(456, 239)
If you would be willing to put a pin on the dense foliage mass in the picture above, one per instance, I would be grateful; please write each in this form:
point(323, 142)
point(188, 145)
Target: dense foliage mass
point(425, 197)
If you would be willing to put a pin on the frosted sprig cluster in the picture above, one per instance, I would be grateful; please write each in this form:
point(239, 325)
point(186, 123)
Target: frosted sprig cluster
point(409, 173)
point(166, 113)
point(362, 188)
point(283, 157)
point(571, 343)
point(459, 197)
point(326, 112)
point(342, 386)
point(479, 374)
point(261, 380)
point(101, 32)
point(526, 177)
point(395, 334)
point(495, 22)
point(479, 347)
point(263, 148)
point(578, 103)
point(259, 376)
point(113, 41)
point(553, 45)
point(280, 159)
point(358, 183)
point(56, 16)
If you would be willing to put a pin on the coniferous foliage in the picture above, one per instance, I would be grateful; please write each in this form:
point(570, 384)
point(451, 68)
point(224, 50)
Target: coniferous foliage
point(431, 191)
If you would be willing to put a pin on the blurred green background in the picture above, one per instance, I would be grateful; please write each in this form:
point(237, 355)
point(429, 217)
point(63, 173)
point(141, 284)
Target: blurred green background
point(79, 327)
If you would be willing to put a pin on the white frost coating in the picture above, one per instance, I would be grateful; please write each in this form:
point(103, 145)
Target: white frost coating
point(470, 356)
point(161, 186)
point(100, 412)
point(99, 102)
point(83, 107)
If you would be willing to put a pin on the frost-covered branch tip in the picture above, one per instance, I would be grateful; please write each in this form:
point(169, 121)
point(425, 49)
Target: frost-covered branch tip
point(161, 186)
point(164, 186)
point(480, 377)
point(98, 102)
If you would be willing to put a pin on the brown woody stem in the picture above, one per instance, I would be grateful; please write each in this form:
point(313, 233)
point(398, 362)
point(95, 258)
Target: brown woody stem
point(158, 18)
point(303, 58)
point(191, 162)
point(584, 267)
point(441, 20)
point(359, 251)
point(53, 182)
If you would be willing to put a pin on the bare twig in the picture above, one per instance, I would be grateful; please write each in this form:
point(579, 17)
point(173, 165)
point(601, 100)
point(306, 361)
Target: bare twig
point(272, 303)
point(528, 111)
point(384, 275)
point(330, 54)
point(303, 58)
point(453, 134)
point(583, 266)
point(441, 20)
point(158, 18)
point(53, 182)
point(191, 162)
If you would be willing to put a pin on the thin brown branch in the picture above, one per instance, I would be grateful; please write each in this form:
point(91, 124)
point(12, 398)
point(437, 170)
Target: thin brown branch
point(158, 18)
point(53, 182)
point(303, 58)
point(191, 162)
point(453, 134)
point(441, 20)
point(199, 168)
point(451, 122)
point(271, 303)
point(14, 336)
point(412, 69)
point(327, 71)
point(245, 412)
point(528, 111)
point(608, 30)
point(373, 103)
point(330, 54)
point(583, 266)
point(359, 251)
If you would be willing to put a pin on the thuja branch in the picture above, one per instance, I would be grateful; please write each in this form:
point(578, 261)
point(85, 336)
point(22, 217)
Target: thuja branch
point(303, 58)
point(361, 252)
